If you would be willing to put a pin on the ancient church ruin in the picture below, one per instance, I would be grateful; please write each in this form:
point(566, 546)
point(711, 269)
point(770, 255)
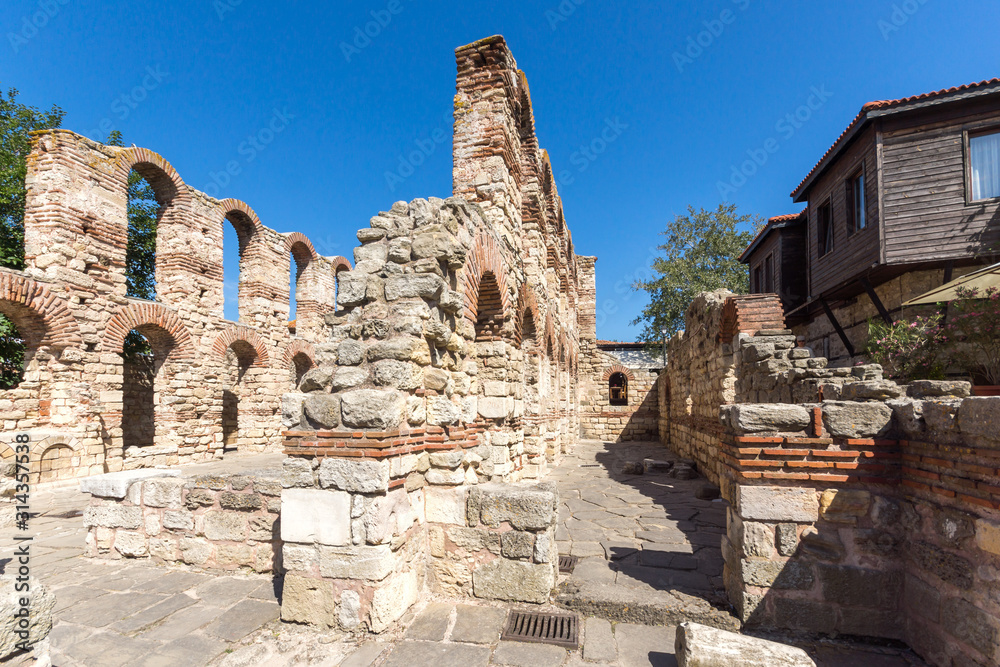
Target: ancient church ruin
point(427, 386)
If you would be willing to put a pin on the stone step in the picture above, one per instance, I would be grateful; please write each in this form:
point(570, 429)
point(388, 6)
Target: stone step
point(624, 605)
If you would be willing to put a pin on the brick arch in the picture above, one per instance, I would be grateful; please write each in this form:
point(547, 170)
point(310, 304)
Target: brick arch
point(250, 337)
point(297, 347)
point(340, 264)
point(161, 176)
point(618, 368)
point(528, 303)
point(24, 297)
point(136, 315)
point(248, 226)
point(549, 337)
point(295, 241)
point(484, 257)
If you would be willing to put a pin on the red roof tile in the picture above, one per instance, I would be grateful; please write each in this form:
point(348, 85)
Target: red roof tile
point(888, 104)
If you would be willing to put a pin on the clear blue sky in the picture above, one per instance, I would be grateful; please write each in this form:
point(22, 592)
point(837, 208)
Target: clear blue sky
point(200, 77)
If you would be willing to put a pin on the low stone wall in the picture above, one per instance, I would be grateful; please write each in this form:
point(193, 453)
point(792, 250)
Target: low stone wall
point(225, 522)
point(858, 506)
point(371, 522)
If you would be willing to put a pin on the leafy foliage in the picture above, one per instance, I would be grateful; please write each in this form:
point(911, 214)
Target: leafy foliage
point(908, 350)
point(701, 254)
point(17, 121)
point(140, 253)
point(11, 355)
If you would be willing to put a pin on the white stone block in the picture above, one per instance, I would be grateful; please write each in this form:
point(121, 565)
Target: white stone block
point(777, 503)
point(316, 516)
point(115, 484)
point(445, 505)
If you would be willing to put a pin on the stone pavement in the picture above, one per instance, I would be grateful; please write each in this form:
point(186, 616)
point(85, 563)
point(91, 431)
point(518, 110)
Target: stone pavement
point(649, 549)
point(629, 533)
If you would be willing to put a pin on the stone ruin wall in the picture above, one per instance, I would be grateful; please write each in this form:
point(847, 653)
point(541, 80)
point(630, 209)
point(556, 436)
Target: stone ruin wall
point(71, 307)
point(858, 506)
point(449, 375)
point(599, 420)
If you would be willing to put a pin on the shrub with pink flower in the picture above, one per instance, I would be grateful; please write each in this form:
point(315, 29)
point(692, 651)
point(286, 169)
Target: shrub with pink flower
point(908, 349)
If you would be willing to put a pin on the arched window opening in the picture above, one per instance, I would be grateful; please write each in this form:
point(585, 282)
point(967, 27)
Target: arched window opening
point(299, 263)
point(12, 349)
point(138, 391)
point(529, 332)
point(144, 212)
point(236, 237)
point(301, 364)
point(618, 389)
point(336, 288)
point(240, 356)
point(56, 463)
point(489, 310)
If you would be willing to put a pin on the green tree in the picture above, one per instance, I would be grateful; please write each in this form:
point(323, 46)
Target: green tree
point(701, 254)
point(140, 252)
point(17, 121)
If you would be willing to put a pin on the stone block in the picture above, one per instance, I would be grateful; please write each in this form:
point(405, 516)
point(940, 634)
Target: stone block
point(544, 549)
point(355, 476)
point(349, 610)
point(825, 545)
point(38, 623)
point(295, 473)
point(857, 420)
point(113, 516)
point(322, 411)
point(787, 538)
point(523, 507)
point(245, 502)
point(970, 624)
point(791, 575)
point(392, 599)
point(446, 505)
point(350, 353)
point(948, 567)
point(936, 388)
point(758, 540)
point(178, 520)
point(860, 587)
point(988, 536)
point(231, 526)
point(316, 379)
point(698, 645)
point(978, 417)
point(871, 390)
point(793, 614)
point(495, 408)
point(517, 544)
point(777, 503)
point(131, 544)
point(316, 516)
point(308, 601)
point(840, 506)
point(367, 563)
point(195, 550)
point(291, 409)
point(116, 484)
point(922, 598)
point(163, 492)
point(372, 409)
point(299, 558)
point(516, 581)
point(424, 286)
point(766, 418)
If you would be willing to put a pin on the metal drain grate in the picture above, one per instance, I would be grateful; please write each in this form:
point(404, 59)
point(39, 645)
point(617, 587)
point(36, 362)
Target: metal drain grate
point(540, 628)
point(567, 564)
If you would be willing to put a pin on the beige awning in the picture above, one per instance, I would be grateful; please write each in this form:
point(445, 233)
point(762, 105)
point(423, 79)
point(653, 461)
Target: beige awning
point(982, 279)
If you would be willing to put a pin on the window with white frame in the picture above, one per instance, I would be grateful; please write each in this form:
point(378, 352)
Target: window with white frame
point(984, 159)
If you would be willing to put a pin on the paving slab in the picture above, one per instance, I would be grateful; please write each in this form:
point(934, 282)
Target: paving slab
point(154, 614)
point(195, 649)
point(599, 641)
point(226, 591)
point(106, 609)
point(173, 582)
point(478, 625)
point(432, 623)
point(109, 650)
point(366, 655)
point(180, 624)
point(243, 619)
point(522, 654)
point(410, 653)
point(645, 646)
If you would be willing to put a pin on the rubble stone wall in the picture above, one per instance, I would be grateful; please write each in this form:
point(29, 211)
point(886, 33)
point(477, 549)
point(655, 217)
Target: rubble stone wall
point(225, 522)
point(70, 305)
point(858, 506)
point(599, 419)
